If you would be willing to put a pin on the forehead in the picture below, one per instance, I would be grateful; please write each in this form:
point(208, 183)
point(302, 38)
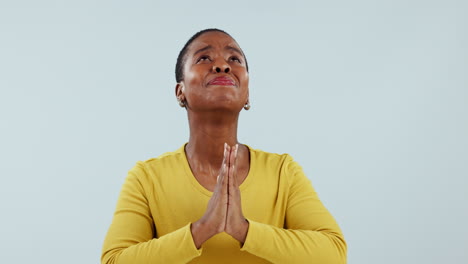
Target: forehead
point(214, 39)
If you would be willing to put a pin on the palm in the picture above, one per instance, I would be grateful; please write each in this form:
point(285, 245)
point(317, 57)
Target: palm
point(224, 210)
point(234, 218)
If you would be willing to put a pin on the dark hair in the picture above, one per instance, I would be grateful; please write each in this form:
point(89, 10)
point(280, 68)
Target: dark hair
point(179, 70)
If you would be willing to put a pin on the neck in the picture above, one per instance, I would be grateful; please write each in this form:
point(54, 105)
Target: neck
point(208, 133)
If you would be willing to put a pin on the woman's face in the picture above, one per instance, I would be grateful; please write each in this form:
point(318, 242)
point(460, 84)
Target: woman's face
point(215, 74)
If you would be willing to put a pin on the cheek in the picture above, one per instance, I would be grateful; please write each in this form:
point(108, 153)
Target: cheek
point(193, 85)
point(193, 76)
point(245, 79)
point(189, 75)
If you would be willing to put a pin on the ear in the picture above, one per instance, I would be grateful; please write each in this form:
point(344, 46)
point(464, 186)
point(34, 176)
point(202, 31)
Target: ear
point(179, 91)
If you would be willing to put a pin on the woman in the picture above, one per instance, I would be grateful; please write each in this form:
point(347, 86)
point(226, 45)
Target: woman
point(215, 200)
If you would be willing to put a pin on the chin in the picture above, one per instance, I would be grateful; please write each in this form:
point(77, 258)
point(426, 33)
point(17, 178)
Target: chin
point(222, 106)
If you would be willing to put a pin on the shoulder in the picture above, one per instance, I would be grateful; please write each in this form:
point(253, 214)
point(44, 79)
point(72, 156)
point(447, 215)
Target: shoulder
point(268, 160)
point(146, 169)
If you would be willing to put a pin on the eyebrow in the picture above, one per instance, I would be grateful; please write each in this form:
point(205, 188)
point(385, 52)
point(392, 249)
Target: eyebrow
point(235, 50)
point(226, 48)
point(202, 49)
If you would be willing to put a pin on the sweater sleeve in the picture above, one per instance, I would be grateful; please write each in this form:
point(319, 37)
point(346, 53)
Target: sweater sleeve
point(311, 234)
point(130, 238)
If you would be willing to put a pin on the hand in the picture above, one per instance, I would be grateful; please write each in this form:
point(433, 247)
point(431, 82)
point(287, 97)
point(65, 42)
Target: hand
point(214, 219)
point(224, 210)
point(236, 224)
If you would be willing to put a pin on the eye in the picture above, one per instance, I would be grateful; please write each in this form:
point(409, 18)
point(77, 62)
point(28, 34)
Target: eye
point(235, 58)
point(203, 58)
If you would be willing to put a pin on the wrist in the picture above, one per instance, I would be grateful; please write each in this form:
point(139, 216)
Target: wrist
point(240, 233)
point(198, 234)
point(201, 232)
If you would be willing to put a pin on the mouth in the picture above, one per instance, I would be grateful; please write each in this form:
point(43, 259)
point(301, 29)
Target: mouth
point(222, 80)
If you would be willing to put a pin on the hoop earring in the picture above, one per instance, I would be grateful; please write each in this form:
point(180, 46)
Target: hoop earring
point(247, 106)
point(181, 103)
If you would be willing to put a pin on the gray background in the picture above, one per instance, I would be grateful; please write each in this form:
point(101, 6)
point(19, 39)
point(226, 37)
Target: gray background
point(370, 97)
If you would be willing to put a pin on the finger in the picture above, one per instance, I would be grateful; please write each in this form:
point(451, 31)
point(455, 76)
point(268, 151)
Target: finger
point(232, 160)
point(226, 175)
point(221, 178)
point(232, 170)
point(228, 149)
point(235, 166)
point(231, 167)
point(223, 170)
point(232, 156)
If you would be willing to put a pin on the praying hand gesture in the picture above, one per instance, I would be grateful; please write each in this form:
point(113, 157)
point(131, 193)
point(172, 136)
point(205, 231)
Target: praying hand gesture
point(224, 210)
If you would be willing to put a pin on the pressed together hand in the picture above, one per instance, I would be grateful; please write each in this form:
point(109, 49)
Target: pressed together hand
point(224, 210)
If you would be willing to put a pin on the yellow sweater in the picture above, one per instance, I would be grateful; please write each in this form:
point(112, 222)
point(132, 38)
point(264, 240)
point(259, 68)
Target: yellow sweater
point(161, 198)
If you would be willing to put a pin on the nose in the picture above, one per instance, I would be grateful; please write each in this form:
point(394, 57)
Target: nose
point(219, 67)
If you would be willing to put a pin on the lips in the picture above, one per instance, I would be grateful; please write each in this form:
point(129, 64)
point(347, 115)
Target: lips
point(222, 80)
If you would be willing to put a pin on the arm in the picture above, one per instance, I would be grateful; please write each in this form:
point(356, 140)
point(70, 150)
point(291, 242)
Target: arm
point(311, 234)
point(130, 238)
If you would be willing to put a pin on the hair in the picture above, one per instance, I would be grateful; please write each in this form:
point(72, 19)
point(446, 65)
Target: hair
point(179, 70)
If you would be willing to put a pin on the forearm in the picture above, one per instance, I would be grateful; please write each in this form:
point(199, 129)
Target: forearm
point(279, 245)
point(175, 247)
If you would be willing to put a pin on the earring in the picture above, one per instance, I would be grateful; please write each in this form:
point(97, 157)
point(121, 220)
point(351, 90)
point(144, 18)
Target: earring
point(247, 106)
point(181, 103)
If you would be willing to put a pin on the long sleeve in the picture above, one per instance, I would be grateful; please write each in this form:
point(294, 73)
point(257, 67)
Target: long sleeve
point(311, 234)
point(131, 236)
